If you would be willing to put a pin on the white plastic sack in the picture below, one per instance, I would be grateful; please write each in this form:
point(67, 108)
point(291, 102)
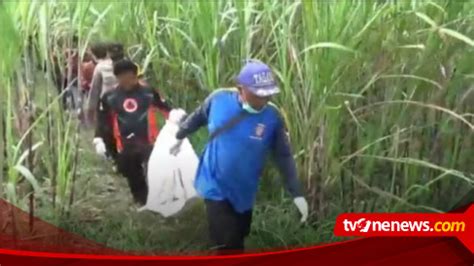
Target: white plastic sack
point(170, 178)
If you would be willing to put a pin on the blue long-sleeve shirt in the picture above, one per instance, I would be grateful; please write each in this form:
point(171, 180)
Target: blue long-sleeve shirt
point(231, 164)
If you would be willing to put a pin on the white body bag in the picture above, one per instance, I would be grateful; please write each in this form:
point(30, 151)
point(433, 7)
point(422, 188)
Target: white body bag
point(170, 178)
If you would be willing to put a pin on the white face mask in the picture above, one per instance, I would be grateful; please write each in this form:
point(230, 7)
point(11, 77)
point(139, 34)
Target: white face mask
point(246, 106)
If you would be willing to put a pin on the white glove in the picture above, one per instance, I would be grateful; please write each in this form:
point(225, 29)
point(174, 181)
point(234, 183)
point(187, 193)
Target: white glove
point(176, 148)
point(99, 146)
point(176, 115)
point(302, 206)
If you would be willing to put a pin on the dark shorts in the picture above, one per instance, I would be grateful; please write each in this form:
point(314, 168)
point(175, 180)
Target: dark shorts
point(227, 228)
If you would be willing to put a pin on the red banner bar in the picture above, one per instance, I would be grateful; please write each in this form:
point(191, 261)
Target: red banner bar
point(460, 225)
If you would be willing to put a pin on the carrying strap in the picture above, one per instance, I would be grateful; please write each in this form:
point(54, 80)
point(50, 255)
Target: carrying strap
point(229, 124)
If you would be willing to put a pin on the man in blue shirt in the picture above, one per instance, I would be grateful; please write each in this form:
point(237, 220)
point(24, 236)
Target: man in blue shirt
point(249, 128)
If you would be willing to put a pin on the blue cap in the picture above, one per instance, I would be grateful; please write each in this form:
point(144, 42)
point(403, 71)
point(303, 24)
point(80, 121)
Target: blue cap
point(258, 78)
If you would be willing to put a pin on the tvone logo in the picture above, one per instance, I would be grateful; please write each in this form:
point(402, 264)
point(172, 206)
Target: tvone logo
point(361, 225)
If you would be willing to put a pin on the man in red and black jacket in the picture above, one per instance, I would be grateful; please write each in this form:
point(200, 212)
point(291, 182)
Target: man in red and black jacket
point(126, 117)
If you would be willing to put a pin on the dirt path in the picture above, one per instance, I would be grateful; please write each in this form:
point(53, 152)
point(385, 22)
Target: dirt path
point(104, 211)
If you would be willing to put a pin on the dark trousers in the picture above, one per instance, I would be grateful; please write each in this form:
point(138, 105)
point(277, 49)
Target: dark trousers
point(227, 228)
point(111, 148)
point(132, 163)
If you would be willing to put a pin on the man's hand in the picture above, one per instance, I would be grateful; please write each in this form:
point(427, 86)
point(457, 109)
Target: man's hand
point(176, 148)
point(176, 116)
point(100, 147)
point(302, 206)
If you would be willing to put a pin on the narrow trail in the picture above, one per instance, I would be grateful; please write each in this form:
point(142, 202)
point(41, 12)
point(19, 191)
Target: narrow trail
point(104, 211)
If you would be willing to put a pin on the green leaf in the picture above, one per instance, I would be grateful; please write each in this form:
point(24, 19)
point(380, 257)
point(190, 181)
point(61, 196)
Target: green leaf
point(426, 19)
point(457, 35)
point(27, 152)
point(413, 46)
point(330, 45)
point(28, 176)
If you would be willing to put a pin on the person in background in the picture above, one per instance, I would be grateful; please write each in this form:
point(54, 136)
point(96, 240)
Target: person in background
point(129, 110)
point(86, 73)
point(70, 77)
point(117, 52)
point(103, 80)
point(65, 71)
point(232, 162)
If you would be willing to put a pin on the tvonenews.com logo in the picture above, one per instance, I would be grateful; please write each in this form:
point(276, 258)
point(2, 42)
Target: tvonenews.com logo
point(364, 225)
point(459, 225)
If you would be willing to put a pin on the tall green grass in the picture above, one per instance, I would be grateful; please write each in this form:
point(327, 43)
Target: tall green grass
point(377, 94)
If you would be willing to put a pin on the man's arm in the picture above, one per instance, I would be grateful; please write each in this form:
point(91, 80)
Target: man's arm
point(95, 91)
point(160, 103)
point(195, 120)
point(102, 118)
point(284, 159)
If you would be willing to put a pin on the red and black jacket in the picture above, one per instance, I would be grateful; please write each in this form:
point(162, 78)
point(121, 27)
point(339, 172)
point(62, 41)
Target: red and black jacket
point(129, 116)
